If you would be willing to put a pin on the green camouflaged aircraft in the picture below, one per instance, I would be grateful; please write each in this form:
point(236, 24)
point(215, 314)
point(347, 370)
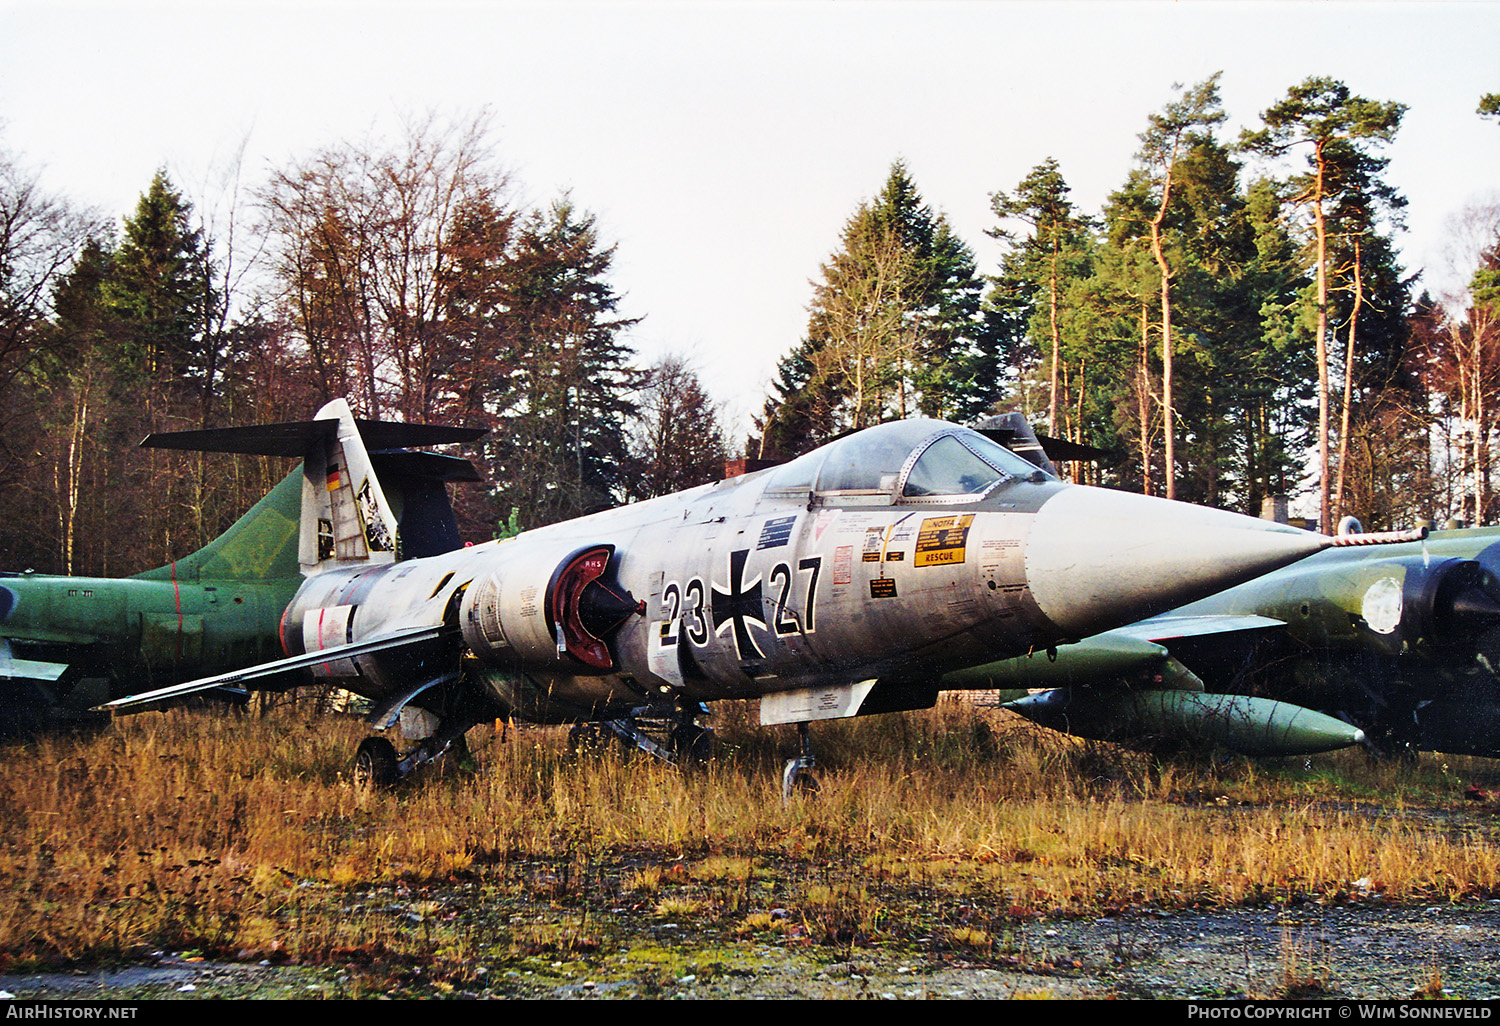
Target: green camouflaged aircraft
point(1395, 646)
point(69, 644)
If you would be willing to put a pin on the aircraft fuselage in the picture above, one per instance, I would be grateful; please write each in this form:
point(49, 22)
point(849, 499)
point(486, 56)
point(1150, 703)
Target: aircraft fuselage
point(838, 568)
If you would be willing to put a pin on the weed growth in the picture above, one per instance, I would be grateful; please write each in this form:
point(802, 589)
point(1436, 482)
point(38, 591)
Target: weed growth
point(240, 836)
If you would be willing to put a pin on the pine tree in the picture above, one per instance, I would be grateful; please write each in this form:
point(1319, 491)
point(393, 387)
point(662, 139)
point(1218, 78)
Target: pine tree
point(1275, 369)
point(80, 386)
point(797, 417)
point(894, 329)
point(559, 449)
point(1369, 307)
point(1338, 128)
point(1174, 129)
point(160, 289)
point(1037, 267)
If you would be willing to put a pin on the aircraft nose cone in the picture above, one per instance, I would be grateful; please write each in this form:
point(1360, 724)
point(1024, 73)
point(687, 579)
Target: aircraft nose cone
point(1098, 559)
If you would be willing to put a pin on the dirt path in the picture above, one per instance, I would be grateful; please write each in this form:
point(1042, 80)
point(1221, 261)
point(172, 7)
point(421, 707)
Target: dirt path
point(1362, 952)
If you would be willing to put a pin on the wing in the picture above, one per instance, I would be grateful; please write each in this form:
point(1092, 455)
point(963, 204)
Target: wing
point(28, 669)
point(400, 639)
point(1167, 628)
point(1139, 653)
point(1146, 695)
point(293, 439)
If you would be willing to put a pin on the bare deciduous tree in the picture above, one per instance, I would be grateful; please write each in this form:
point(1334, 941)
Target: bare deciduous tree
point(40, 234)
point(677, 438)
point(367, 247)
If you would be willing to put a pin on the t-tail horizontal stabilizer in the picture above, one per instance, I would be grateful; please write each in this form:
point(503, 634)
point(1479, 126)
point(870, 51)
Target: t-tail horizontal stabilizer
point(294, 438)
point(1013, 431)
point(358, 480)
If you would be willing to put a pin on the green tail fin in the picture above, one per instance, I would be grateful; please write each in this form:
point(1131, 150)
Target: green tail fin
point(259, 546)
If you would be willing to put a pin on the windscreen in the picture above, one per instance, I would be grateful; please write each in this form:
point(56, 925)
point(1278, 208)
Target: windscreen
point(966, 463)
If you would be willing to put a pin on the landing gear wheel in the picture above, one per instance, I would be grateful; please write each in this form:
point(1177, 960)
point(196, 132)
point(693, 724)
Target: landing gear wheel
point(375, 764)
point(798, 780)
point(590, 738)
point(797, 777)
point(692, 743)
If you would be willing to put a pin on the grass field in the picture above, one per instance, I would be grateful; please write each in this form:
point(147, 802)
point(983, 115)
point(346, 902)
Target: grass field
point(240, 837)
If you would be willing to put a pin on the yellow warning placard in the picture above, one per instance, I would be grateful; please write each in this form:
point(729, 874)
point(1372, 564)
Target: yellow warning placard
point(942, 540)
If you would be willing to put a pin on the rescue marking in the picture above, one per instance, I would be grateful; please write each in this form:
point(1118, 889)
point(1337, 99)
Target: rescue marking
point(942, 540)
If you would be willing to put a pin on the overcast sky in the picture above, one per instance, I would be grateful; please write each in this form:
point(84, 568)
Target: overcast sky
point(723, 145)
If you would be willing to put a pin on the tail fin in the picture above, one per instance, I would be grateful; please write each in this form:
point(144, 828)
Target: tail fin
point(346, 520)
point(1013, 431)
point(259, 546)
point(346, 516)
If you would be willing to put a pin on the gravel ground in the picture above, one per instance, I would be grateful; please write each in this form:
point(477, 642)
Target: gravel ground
point(1360, 952)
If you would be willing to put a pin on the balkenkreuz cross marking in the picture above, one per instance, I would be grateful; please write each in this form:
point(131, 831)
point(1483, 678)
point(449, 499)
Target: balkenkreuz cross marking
point(739, 604)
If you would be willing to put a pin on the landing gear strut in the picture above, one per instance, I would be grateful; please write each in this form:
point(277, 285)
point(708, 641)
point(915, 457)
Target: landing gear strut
point(797, 777)
point(377, 766)
point(674, 737)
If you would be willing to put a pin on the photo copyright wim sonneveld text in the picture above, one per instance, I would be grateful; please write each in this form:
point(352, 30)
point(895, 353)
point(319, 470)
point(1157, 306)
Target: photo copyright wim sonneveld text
point(1353, 1010)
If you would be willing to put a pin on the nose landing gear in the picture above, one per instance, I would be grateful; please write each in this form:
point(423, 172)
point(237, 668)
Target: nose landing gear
point(797, 776)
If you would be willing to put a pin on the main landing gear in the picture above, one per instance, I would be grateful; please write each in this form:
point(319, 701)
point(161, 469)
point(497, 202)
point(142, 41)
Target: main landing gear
point(673, 737)
point(378, 765)
point(375, 764)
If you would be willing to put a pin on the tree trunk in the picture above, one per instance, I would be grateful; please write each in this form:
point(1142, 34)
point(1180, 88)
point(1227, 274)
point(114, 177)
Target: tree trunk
point(1359, 296)
point(1143, 400)
point(1056, 340)
point(69, 486)
point(1325, 523)
point(1169, 433)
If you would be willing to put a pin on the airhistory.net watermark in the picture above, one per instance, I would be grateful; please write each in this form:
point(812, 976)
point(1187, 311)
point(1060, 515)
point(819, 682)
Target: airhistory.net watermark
point(27, 1011)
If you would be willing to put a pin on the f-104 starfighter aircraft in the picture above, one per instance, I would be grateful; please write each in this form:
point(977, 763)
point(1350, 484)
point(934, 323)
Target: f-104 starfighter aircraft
point(845, 582)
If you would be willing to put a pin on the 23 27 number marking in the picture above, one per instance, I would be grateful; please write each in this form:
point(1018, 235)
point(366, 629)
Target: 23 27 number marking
point(690, 602)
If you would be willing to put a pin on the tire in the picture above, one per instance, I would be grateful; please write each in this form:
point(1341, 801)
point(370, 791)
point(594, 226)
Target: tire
point(798, 781)
point(692, 743)
point(375, 764)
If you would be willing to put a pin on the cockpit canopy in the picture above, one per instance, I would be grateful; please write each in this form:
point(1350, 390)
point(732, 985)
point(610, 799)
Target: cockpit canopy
point(905, 461)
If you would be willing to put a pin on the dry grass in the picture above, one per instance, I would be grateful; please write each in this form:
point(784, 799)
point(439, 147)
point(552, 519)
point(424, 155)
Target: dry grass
point(1305, 972)
point(241, 836)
